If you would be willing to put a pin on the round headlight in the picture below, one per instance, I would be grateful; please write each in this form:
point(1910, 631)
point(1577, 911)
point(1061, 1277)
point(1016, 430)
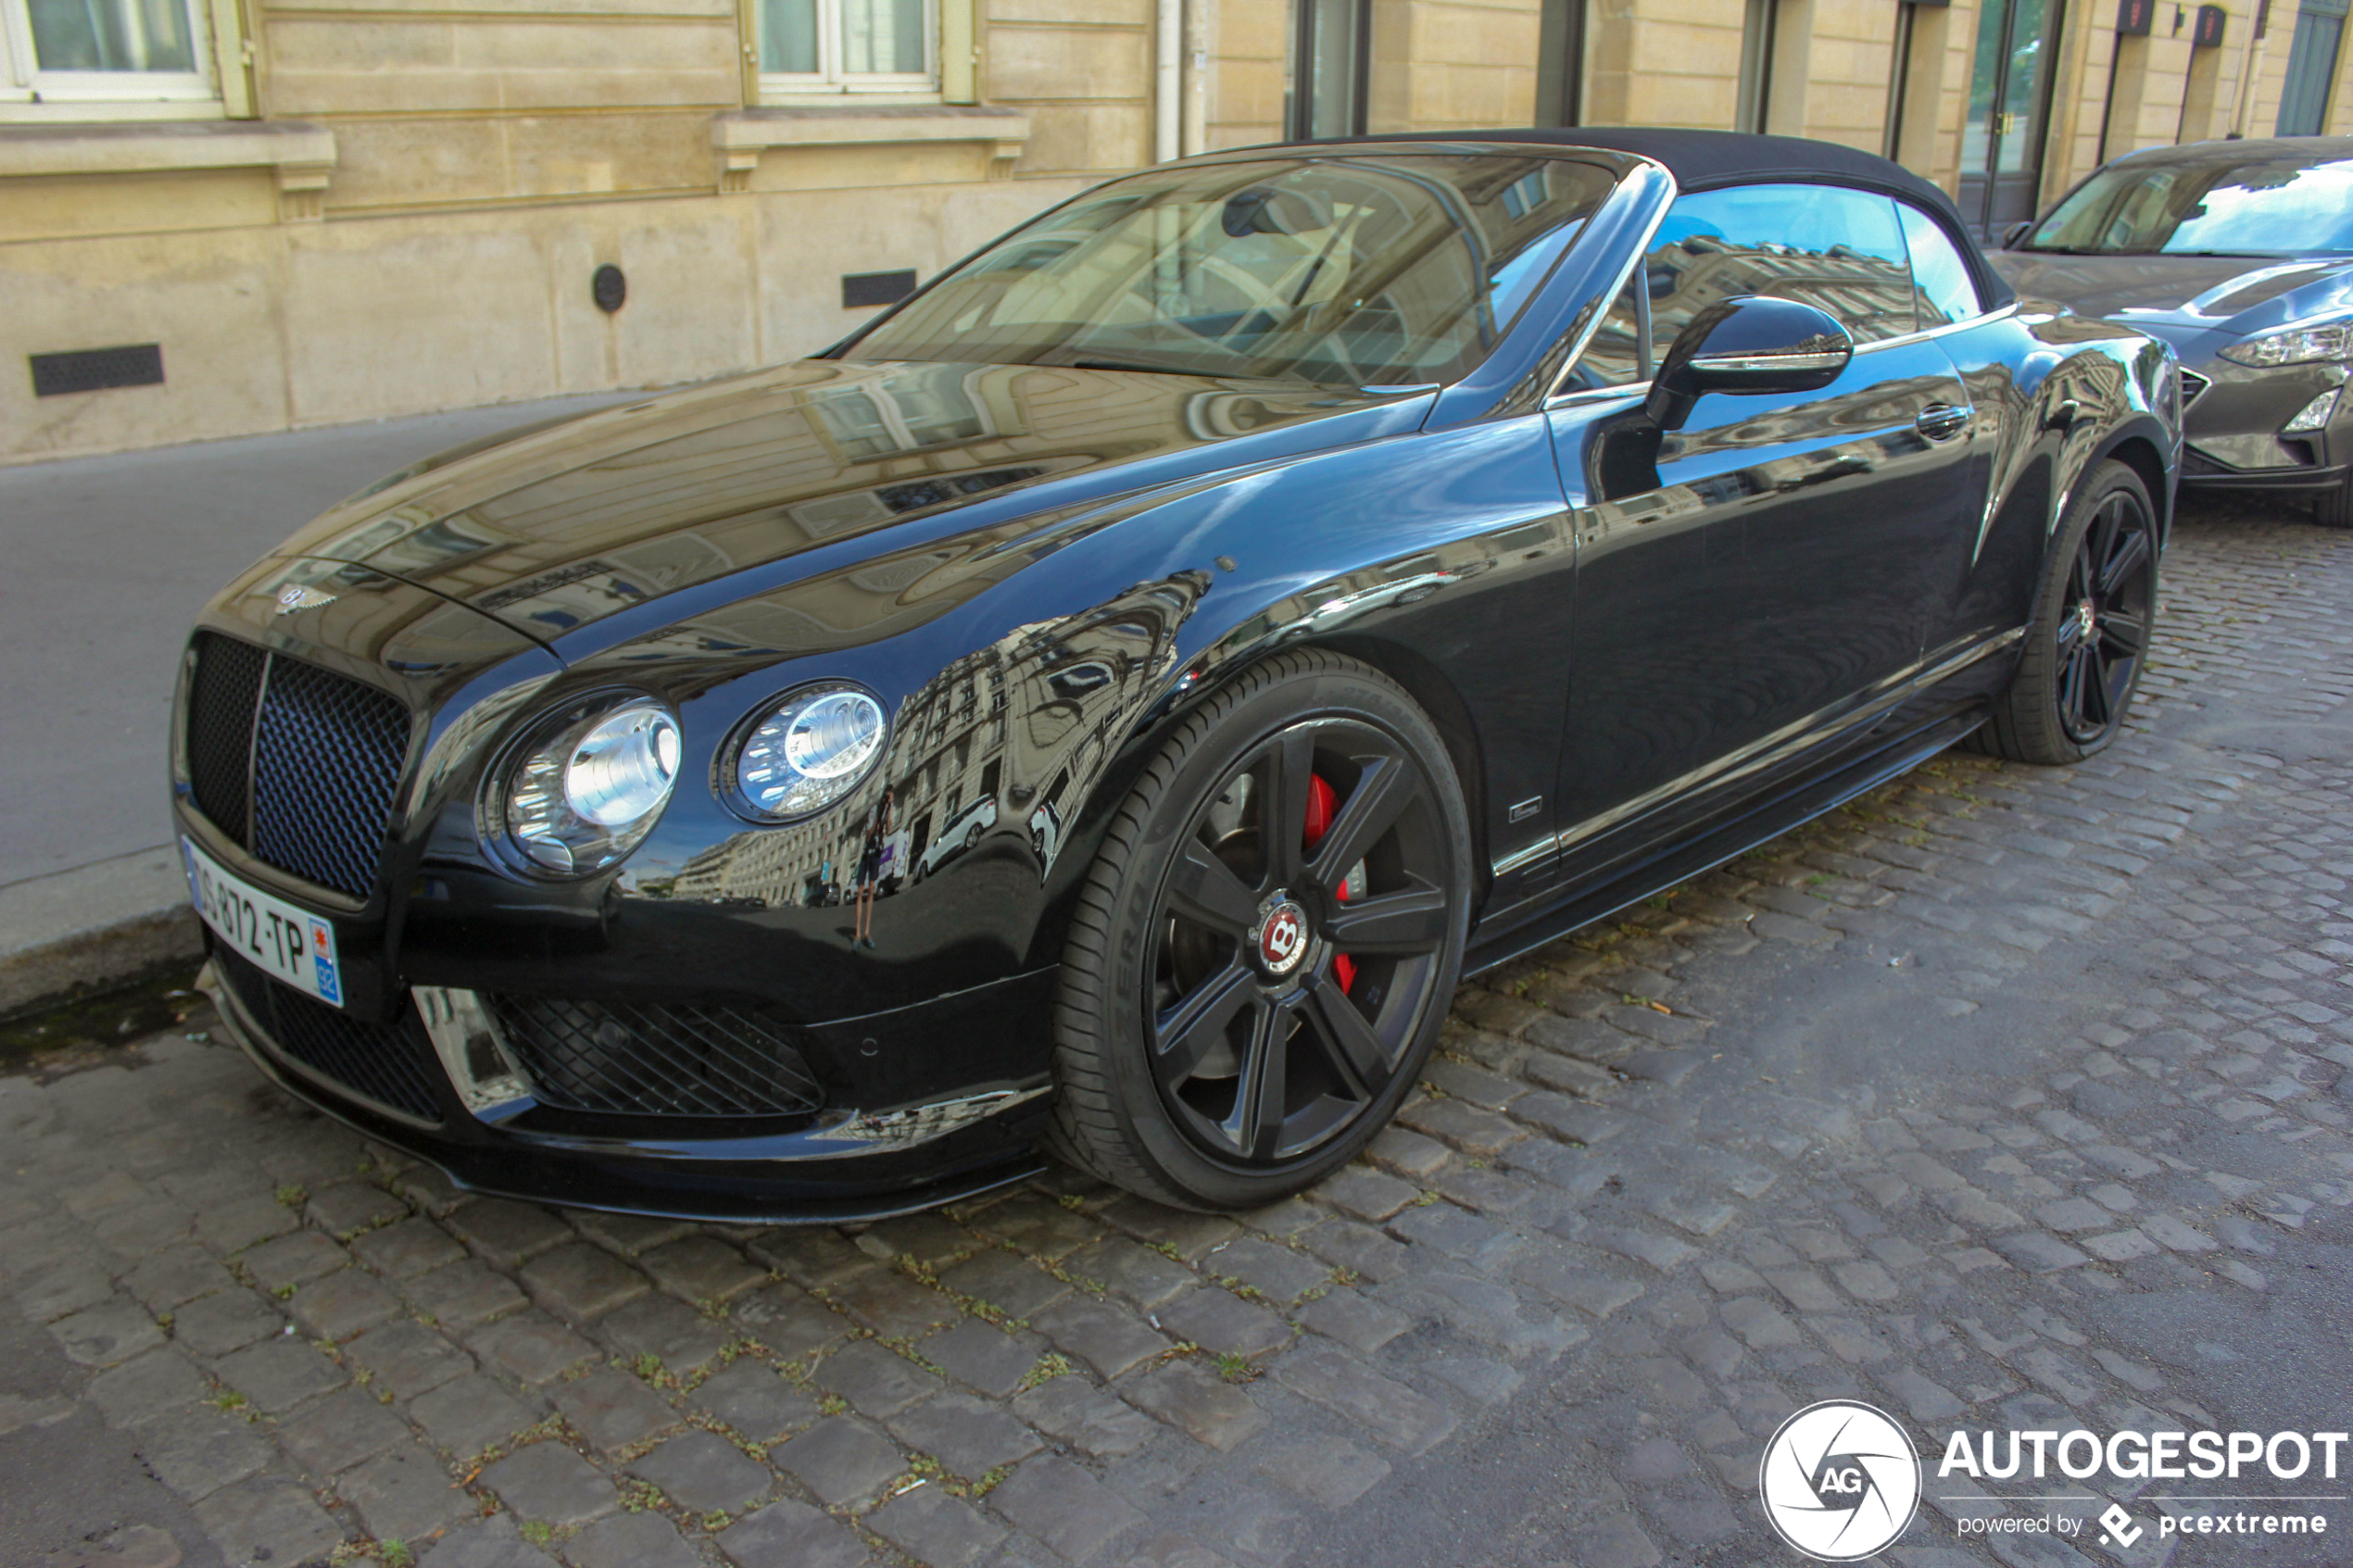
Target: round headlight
point(588, 785)
point(623, 769)
point(809, 751)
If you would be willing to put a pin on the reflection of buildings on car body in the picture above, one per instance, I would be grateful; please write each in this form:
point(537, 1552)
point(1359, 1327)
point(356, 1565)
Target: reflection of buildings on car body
point(992, 741)
point(1338, 603)
point(835, 454)
point(832, 456)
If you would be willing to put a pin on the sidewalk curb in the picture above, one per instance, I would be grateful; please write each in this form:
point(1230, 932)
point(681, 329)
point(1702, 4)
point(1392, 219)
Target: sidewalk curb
point(94, 927)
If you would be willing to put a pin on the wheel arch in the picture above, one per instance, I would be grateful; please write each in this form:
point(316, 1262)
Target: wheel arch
point(1188, 690)
point(2138, 449)
point(1438, 697)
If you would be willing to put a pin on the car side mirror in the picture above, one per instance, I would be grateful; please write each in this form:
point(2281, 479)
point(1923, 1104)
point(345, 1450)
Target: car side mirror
point(1753, 344)
point(2015, 233)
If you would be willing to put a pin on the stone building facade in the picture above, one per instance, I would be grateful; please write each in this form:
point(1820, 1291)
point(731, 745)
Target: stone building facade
point(220, 217)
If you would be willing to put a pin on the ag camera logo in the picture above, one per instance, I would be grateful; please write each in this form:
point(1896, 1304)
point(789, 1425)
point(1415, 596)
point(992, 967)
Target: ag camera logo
point(1839, 1481)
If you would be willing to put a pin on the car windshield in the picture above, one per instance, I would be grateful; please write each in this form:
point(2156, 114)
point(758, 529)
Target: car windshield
point(2271, 206)
point(1358, 270)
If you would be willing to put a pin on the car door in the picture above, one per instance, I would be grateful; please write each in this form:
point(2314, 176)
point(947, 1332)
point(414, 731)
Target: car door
point(1983, 572)
point(1756, 583)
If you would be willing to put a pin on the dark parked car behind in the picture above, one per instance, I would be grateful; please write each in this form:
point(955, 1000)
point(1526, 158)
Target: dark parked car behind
point(1372, 559)
point(2240, 255)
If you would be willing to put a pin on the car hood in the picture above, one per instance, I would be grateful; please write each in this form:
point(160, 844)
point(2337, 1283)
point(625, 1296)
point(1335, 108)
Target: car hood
point(561, 525)
point(2232, 295)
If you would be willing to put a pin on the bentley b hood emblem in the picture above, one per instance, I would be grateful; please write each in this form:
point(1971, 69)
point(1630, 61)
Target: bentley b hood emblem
point(294, 596)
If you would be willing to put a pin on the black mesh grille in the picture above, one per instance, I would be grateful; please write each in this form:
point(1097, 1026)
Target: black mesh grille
point(376, 1061)
point(326, 760)
point(220, 697)
point(659, 1060)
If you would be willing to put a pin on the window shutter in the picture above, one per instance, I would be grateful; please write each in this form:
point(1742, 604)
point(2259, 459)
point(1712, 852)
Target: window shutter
point(233, 59)
point(959, 52)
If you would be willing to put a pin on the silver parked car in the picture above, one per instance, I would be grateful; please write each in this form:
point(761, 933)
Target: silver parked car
point(2240, 255)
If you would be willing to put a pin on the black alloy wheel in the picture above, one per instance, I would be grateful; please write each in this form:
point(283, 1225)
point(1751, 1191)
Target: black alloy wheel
point(2103, 630)
point(1299, 931)
point(2094, 616)
point(1268, 942)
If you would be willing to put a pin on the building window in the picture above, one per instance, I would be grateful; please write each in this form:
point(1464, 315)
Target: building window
point(1899, 82)
point(1560, 49)
point(66, 51)
point(847, 47)
point(2312, 66)
point(1755, 106)
point(1330, 62)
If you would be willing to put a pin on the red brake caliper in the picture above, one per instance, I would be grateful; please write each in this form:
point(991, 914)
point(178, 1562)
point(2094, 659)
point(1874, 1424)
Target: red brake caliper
point(1320, 803)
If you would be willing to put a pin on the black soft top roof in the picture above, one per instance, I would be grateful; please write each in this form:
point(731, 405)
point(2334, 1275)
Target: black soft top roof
point(1703, 161)
point(2262, 149)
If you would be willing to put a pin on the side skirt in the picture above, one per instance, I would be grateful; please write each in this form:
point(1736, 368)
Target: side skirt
point(1725, 841)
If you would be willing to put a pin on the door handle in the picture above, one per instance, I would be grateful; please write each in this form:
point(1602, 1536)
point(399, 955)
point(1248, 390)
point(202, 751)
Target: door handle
point(1942, 421)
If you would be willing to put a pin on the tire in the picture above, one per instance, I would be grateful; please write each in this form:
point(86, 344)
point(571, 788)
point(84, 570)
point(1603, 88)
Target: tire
point(2333, 508)
point(2088, 639)
point(1208, 965)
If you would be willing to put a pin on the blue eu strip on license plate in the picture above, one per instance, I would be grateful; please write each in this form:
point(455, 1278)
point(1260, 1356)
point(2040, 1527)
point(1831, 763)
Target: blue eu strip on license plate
point(284, 941)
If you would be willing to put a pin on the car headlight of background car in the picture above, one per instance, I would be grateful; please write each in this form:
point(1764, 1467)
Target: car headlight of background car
point(2296, 345)
point(586, 784)
point(812, 747)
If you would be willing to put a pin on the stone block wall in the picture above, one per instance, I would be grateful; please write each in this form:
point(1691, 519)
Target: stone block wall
point(397, 205)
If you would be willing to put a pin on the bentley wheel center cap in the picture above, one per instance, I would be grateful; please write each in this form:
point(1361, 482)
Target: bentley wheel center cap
point(1282, 937)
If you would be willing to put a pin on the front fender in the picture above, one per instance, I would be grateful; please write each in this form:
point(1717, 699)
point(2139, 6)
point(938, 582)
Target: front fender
point(1063, 653)
point(2112, 393)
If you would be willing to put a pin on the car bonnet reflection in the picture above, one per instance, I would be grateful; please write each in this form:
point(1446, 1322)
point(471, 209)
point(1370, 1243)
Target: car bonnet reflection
point(582, 521)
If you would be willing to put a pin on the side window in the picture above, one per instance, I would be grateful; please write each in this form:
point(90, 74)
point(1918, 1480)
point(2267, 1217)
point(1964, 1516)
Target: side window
point(1945, 291)
point(1614, 355)
point(1839, 250)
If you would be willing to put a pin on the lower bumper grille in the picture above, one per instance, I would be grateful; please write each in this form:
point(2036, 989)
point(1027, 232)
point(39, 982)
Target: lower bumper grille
point(374, 1061)
point(657, 1059)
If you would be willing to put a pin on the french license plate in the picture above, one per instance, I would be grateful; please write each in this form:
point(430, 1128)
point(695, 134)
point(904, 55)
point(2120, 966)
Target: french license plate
point(286, 943)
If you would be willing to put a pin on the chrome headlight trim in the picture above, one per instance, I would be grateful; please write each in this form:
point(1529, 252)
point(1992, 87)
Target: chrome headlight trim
point(581, 786)
point(802, 751)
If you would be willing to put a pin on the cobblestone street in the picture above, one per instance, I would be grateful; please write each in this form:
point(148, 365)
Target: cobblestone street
point(2002, 1098)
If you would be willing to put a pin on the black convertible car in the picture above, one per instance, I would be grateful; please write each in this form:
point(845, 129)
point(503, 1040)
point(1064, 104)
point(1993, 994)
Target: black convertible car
point(1108, 702)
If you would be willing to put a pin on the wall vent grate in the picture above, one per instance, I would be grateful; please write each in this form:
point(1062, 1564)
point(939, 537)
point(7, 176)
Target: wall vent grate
point(97, 370)
point(860, 289)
